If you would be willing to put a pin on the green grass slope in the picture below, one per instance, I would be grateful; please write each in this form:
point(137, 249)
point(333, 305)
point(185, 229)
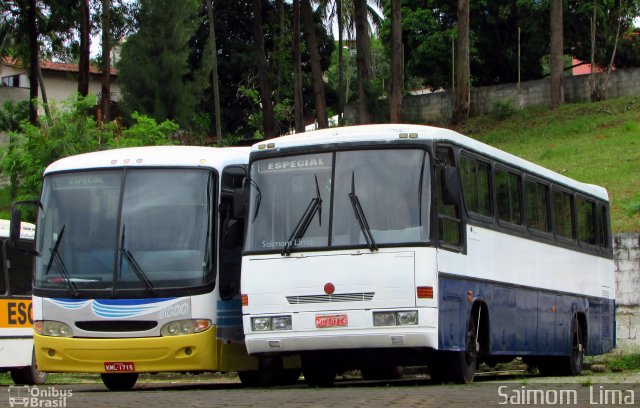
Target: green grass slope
point(597, 143)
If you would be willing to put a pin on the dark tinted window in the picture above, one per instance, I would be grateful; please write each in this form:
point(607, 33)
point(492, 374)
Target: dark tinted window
point(449, 225)
point(586, 221)
point(475, 185)
point(19, 267)
point(603, 226)
point(562, 214)
point(508, 196)
point(536, 198)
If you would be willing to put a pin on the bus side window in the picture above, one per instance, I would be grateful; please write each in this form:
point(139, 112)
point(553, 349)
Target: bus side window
point(449, 222)
point(19, 271)
point(586, 221)
point(603, 227)
point(231, 232)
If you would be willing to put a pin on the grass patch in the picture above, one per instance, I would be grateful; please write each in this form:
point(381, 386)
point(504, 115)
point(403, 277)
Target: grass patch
point(597, 143)
point(628, 362)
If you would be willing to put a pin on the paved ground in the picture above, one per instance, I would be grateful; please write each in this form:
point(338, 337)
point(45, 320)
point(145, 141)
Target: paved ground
point(584, 391)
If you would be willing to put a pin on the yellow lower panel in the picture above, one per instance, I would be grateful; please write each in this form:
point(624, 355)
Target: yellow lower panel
point(194, 352)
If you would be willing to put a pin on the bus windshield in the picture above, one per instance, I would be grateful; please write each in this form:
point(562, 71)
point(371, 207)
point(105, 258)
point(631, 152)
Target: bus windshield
point(359, 198)
point(117, 230)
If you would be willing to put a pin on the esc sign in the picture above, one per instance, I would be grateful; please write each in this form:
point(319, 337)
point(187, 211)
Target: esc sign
point(16, 314)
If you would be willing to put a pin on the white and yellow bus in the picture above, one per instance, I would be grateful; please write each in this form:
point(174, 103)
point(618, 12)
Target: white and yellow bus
point(16, 321)
point(138, 264)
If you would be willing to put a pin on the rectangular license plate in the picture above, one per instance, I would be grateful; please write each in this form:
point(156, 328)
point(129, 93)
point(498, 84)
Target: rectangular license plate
point(331, 320)
point(119, 366)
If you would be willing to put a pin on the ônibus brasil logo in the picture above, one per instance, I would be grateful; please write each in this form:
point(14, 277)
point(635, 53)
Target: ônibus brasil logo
point(26, 396)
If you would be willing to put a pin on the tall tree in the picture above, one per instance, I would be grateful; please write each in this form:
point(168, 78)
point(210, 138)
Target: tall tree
point(154, 72)
point(363, 60)
point(268, 118)
point(85, 48)
point(397, 77)
point(556, 51)
point(105, 99)
point(214, 70)
point(298, 107)
point(309, 29)
point(34, 60)
point(463, 72)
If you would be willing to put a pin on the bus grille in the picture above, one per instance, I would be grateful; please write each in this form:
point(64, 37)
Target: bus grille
point(342, 297)
point(117, 326)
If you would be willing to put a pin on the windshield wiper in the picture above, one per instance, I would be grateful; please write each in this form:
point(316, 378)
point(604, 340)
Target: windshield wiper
point(55, 257)
point(137, 269)
point(362, 220)
point(315, 206)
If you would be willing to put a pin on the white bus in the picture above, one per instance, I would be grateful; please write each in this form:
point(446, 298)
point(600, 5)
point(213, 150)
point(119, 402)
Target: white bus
point(137, 264)
point(16, 334)
point(373, 247)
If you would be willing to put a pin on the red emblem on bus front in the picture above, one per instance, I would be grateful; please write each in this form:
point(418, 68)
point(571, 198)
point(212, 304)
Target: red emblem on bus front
point(329, 288)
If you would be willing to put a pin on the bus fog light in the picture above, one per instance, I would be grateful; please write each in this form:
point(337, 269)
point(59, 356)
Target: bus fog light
point(384, 319)
point(281, 323)
point(261, 323)
point(408, 318)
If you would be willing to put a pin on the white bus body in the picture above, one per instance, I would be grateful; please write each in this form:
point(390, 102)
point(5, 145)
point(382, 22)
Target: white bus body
point(138, 263)
point(387, 245)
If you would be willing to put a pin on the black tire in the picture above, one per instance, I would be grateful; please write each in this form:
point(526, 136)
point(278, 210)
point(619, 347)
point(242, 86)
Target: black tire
point(270, 372)
point(457, 366)
point(119, 382)
point(318, 372)
point(29, 375)
point(572, 365)
point(250, 378)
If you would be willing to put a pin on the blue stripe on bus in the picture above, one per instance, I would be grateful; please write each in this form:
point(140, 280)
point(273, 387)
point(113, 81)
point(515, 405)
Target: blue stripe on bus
point(523, 321)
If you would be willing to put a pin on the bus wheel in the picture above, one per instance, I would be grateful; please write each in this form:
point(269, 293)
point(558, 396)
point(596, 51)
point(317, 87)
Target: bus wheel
point(29, 375)
point(458, 366)
point(119, 382)
point(572, 365)
point(318, 372)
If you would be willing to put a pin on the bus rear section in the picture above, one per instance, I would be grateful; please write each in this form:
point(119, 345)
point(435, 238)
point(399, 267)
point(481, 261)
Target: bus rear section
point(16, 318)
point(380, 246)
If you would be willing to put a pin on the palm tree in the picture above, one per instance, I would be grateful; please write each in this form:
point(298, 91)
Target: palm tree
point(297, 71)
point(396, 83)
point(268, 118)
point(106, 60)
point(557, 64)
point(316, 71)
point(461, 99)
point(214, 70)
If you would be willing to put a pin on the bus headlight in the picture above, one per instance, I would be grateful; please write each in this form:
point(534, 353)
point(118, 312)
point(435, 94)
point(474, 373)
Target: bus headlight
point(271, 323)
point(52, 328)
point(402, 318)
point(187, 326)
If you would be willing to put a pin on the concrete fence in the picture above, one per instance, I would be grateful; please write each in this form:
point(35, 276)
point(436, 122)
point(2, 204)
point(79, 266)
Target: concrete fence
point(627, 259)
point(437, 107)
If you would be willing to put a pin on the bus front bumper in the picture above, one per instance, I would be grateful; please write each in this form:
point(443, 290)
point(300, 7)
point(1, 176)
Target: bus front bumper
point(193, 352)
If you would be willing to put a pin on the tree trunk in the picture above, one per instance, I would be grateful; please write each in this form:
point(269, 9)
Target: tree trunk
point(268, 119)
point(363, 59)
point(298, 108)
point(340, 63)
point(463, 72)
point(396, 83)
point(33, 62)
point(214, 71)
point(105, 100)
point(85, 44)
point(309, 28)
point(43, 90)
point(557, 64)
